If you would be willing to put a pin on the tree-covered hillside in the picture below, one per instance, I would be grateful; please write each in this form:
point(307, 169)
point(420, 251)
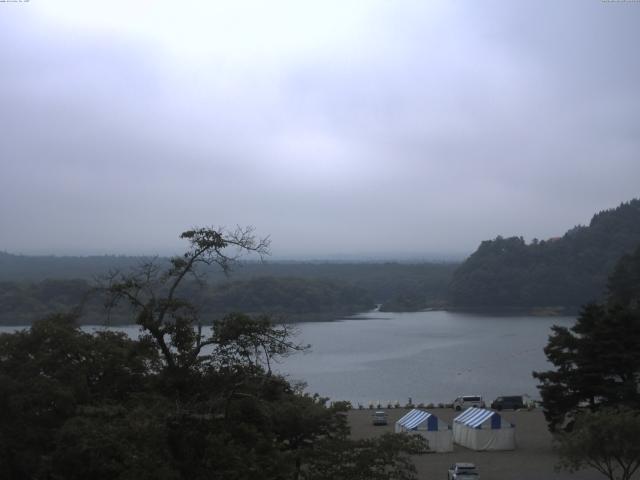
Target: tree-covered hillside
point(33, 287)
point(624, 282)
point(288, 299)
point(284, 296)
point(178, 402)
point(17, 268)
point(563, 272)
point(597, 360)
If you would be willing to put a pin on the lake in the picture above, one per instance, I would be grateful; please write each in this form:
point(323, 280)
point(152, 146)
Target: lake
point(426, 356)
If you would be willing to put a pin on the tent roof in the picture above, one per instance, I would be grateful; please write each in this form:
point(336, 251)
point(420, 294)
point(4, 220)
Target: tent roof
point(414, 418)
point(474, 417)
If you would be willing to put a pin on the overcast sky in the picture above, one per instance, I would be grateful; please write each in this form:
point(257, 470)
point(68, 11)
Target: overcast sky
point(358, 128)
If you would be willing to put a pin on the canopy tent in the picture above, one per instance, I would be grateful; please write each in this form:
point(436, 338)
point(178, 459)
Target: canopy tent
point(437, 434)
point(481, 429)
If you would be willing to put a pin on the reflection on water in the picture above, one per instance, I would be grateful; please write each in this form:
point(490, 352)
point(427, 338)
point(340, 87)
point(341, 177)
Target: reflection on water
point(428, 356)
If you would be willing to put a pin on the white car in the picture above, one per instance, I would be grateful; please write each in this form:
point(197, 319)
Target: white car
point(467, 401)
point(463, 471)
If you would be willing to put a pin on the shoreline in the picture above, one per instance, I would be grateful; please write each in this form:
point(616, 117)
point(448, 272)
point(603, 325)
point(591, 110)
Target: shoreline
point(337, 317)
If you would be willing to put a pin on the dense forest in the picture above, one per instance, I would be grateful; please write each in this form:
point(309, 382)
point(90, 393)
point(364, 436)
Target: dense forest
point(287, 299)
point(18, 268)
point(177, 402)
point(591, 393)
point(561, 273)
point(290, 291)
point(553, 276)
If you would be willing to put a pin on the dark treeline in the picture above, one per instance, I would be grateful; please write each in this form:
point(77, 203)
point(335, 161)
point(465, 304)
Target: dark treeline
point(290, 298)
point(564, 272)
point(384, 281)
point(597, 360)
point(591, 394)
point(291, 291)
point(287, 299)
point(177, 402)
point(426, 283)
point(555, 275)
point(25, 268)
point(22, 302)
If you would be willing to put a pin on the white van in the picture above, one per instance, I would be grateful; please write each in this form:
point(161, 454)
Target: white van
point(467, 401)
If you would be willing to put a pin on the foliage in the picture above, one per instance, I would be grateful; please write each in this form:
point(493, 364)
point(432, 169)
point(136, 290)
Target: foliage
point(290, 299)
point(286, 297)
point(75, 405)
point(21, 303)
point(597, 361)
point(624, 282)
point(382, 280)
point(383, 458)
point(289, 291)
point(173, 404)
point(26, 268)
point(597, 364)
point(47, 373)
point(606, 440)
point(565, 272)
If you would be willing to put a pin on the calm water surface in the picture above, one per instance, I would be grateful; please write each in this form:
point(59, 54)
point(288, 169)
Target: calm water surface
point(428, 356)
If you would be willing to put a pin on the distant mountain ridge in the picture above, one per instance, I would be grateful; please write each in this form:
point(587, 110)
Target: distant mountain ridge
point(563, 272)
point(42, 267)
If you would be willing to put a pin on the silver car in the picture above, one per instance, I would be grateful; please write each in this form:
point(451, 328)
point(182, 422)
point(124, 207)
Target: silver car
point(380, 417)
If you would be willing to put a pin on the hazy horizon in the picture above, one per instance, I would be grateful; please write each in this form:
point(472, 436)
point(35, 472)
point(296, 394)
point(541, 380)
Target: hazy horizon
point(377, 129)
point(372, 256)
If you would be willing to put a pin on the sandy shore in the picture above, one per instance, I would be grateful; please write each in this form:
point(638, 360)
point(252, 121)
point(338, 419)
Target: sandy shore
point(533, 458)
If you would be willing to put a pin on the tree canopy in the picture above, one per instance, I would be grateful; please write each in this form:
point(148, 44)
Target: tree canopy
point(606, 440)
point(174, 403)
point(624, 282)
point(566, 272)
point(597, 361)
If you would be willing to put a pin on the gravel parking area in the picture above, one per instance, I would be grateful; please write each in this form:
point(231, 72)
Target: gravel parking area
point(533, 458)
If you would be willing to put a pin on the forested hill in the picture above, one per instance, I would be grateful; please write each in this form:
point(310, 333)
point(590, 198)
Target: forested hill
point(562, 272)
point(17, 268)
point(286, 299)
point(425, 282)
point(33, 287)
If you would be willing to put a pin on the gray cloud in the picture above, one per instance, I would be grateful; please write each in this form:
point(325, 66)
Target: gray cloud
point(410, 128)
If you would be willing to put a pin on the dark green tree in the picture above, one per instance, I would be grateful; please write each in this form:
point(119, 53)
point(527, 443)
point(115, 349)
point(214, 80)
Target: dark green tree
point(597, 364)
point(383, 458)
point(624, 282)
point(562, 272)
point(606, 440)
point(597, 361)
point(175, 403)
point(49, 374)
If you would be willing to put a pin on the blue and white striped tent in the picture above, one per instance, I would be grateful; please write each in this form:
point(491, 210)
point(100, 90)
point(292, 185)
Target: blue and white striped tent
point(482, 429)
point(418, 418)
point(437, 433)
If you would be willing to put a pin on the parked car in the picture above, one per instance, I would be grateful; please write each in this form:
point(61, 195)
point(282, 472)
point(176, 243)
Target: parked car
point(463, 471)
point(513, 402)
point(467, 401)
point(380, 417)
